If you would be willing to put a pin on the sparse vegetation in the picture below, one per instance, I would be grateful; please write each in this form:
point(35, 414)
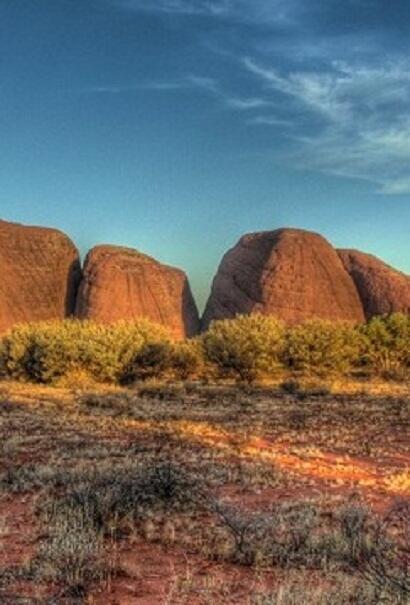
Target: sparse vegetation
point(247, 348)
point(45, 352)
point(181, 466)
point(322, 348)
point(387, 344)
point(273, 491)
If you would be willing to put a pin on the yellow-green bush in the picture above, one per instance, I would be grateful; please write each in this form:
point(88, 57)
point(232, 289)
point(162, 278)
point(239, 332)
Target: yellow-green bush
point(151, 361)
point(180, 360)
point(187, 359)
point(245, 347)
point(46, 351)
point(387, 343)
point(322, 347)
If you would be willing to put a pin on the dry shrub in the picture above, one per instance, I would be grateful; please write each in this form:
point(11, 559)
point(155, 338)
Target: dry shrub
point(187, 359)
point(47, 351)
point(245, 347)
point(248, 347)
point(387, 344)
point(321, 347)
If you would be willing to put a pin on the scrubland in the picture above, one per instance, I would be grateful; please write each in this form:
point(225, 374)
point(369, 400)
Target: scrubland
point(257, 464)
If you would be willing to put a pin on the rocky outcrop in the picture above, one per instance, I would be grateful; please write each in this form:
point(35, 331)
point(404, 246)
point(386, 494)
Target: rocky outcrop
point(382, 289)
point(39, 274)
point(293, 274)
point(121, 283)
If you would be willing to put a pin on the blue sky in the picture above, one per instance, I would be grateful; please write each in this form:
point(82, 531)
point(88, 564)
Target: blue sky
point(175, 126)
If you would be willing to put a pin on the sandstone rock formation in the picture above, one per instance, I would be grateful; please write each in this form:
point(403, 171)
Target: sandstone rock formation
point(382, 289)
point(121, 283)
point(39, 274)
point(293, 274)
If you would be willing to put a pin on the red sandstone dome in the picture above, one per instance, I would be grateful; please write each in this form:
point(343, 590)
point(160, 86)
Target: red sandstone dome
point(293, 274)
point(123, 284)
point(40, 271)
point(382, 289)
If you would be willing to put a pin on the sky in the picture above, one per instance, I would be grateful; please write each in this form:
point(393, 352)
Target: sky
point(176, 126)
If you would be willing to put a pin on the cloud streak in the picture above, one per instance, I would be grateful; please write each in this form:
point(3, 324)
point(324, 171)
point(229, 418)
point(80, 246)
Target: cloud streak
point(255, 11)
point(352, 116)
point(358, 117)
point(182, 7)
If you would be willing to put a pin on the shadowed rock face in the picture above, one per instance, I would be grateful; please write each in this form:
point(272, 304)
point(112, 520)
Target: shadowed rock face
point(382, 289)
point(39, 274)
point(121, 283)
point(293, 274)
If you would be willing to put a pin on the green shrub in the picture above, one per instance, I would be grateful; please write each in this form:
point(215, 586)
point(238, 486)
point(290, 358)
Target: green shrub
point(322, 347)
point(46, 351)
point(151, 361)
point(13, 351)
point(387, 343)
point(246, 346)
point(187, 359)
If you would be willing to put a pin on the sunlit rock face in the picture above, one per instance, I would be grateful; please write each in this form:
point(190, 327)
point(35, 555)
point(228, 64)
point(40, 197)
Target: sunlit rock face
point(123, 284)
point(293, 274)
point(40, 271)
point(382, 289)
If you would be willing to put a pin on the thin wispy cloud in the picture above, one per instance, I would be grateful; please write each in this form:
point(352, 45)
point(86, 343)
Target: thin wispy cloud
point(108, 90)
point(362, 119)
point(179, 84)
point(163, 86)
point(204, 84)
point(349, 117)
point(246, 103)
point(317, 91)
point(256, 11)
point(183, 7)
point(268, 120)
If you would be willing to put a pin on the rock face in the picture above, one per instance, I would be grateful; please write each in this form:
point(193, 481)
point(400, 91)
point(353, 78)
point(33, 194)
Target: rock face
point(121, 283)
point(293, 274)
point(382, 289)
point(39, 270)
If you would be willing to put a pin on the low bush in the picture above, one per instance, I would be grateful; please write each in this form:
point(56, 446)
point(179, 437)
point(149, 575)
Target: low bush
point(322, 347)
point(245, 347)
point(46, 351)
point(387, 343)
point(187, 359)
point(73, 353)
point(151, 361)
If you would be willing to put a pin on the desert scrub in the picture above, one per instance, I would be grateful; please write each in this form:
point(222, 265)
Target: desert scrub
point(282, 537)
point(82, 523)
point(321, 348)
point(46, 351)
point(187, 359)
point(74, 556)
point(387, 343)
point(245, 347)
point(112, 496)
point(339, 589)
point(153, 360)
